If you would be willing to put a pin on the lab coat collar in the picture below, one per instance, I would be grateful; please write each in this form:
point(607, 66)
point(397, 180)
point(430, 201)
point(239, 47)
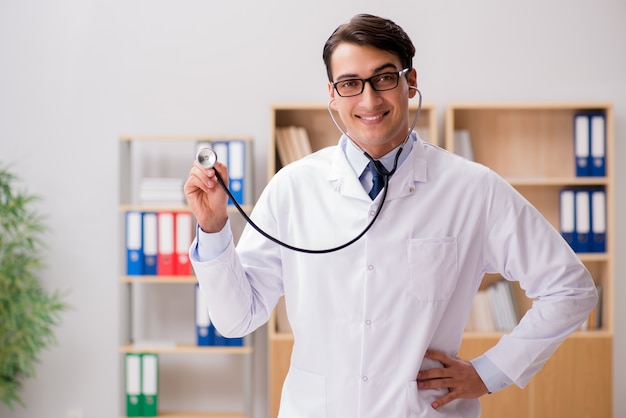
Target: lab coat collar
point(402, 183)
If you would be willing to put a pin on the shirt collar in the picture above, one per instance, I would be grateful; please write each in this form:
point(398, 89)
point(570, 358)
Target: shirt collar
point(358, 161)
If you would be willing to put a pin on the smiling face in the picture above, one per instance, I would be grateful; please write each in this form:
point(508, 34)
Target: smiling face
point(377, 121)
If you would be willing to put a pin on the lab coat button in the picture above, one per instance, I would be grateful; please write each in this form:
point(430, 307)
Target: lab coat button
point(368, 322)
point(372, 212)
point(364, 378)
point(370, 267)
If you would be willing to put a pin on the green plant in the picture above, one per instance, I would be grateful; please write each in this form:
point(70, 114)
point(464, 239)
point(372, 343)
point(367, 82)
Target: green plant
point(28, 313)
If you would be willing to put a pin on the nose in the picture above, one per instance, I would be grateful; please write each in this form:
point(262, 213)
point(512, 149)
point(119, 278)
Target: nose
point(369, 94)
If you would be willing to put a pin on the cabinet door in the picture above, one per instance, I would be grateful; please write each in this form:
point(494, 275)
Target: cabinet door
point(576, 381)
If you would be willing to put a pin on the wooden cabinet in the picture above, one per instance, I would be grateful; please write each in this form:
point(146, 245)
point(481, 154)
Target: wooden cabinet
point(532, 146)
point(165, 303)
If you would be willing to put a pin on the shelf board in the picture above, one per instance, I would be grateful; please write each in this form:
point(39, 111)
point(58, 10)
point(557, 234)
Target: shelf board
point(557, 181)
point(159, 137)
point(186, 349)
point(174, 414)
point(159, 279)
point(174, 208)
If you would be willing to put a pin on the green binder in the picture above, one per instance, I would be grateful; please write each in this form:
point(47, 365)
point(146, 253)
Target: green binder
point(134, 405)
point(150, 384)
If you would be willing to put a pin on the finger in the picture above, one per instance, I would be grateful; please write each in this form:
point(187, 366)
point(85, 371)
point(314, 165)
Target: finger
point(445, 399)
point(440, 356)
point(435, 384)
point(429, 374)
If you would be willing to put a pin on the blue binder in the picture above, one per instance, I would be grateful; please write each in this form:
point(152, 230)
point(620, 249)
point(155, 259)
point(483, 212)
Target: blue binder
point(598, 221)
point(598, 145)
point(218, 338)
point(583, 221)
point(235, 342)
point(134, 243)
point(567, 218)
point(582, 143)
point(222, 151)
point(150, 243)
point(204, 328)
point(237, 169)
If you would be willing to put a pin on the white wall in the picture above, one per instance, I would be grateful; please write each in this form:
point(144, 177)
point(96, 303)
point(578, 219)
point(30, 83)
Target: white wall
point(76, 74)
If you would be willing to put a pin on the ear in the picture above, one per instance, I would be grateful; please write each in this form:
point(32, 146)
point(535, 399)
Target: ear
point(331, 94)
point(412, 79)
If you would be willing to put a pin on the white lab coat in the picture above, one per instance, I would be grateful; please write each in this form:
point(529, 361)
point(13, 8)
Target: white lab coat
point(363, 317)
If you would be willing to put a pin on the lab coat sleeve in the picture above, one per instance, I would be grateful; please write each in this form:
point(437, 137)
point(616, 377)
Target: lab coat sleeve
point(522, 246)
point(241, 286)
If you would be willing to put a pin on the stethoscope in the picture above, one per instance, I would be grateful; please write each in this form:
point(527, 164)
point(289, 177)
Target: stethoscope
point(206, 158)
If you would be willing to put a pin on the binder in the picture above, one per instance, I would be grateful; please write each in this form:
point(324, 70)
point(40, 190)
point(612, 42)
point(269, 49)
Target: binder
point(598, 221)
point(149, 384)
point(218, 338)
point(204, 331)
point(221, 150)
point(236, 169)
point(165, 255)
point(150, 243)
point(183, 242)
point(567, 216)
point(235, 342)
point(134, 405)
point(134, 244)
point(582, 144)
point(598, 145)
point(583, 221)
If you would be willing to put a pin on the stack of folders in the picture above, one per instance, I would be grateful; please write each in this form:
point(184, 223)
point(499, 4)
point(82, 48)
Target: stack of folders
point(590, 144)
point(161, 191)
point(142, 384)
point(236, 154)
point(206, 334)
point(157, 243)
point(583, 219)
point(493, 309)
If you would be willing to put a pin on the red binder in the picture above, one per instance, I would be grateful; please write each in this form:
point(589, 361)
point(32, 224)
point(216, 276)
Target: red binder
point(183, 241)
point(167, 233)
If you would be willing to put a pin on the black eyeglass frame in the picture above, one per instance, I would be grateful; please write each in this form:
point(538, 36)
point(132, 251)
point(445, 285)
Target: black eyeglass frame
point(400, 74)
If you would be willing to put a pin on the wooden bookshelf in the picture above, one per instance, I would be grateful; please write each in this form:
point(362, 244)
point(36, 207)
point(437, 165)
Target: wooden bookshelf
point(532, 146)
point(171, 156)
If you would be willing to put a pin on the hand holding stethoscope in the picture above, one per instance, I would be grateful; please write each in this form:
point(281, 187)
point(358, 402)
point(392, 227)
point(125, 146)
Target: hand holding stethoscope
point(205, 194)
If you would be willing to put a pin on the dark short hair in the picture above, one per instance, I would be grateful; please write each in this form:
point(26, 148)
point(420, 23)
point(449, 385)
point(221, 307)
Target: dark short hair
point(369, 30)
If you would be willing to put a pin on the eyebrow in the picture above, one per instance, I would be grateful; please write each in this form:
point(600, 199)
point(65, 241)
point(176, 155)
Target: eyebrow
point(377, 70)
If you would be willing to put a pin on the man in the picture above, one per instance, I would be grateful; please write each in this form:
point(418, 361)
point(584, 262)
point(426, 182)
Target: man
point(377, 324)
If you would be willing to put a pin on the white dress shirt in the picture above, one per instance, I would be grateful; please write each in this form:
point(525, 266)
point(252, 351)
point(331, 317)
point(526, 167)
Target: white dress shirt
point(363, 317)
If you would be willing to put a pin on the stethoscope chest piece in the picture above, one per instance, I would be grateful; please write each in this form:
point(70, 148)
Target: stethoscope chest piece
point(206, 157)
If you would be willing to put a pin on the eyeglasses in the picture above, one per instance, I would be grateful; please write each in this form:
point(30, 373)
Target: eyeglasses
point(379, 82)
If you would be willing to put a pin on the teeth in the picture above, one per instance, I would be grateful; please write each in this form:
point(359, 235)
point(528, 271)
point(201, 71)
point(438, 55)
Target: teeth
point(372, 117)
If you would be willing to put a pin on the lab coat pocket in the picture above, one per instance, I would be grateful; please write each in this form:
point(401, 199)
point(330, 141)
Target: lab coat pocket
point(304, 395)
point(433, 268)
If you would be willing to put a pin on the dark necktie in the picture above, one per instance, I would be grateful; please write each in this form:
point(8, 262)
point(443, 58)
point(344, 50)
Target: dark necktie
point(378, 181)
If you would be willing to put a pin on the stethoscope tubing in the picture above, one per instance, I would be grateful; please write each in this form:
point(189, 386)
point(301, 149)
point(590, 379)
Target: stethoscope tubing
point(205, 158)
